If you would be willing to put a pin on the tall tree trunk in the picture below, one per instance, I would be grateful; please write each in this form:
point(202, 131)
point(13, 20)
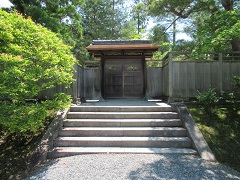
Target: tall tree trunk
point(113, 20)
point(227, 4)
point(138, 24)
point(235, 44)
point(174, 32)
point(236, 48)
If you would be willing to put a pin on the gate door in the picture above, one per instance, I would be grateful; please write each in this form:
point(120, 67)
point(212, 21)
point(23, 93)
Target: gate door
point(123, 79)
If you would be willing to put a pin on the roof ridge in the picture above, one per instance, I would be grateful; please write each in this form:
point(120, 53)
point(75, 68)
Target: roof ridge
point(103, 42)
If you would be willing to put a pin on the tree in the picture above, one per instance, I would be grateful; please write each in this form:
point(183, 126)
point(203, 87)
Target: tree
point(140, 15)
point(158, 34)
point(106, 19)
point(60, 16)
point(94, 19)
point(222, 19)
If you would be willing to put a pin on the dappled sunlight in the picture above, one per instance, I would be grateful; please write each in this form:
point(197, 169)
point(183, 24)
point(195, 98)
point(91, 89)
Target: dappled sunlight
point(221, 131)
point(181, 167)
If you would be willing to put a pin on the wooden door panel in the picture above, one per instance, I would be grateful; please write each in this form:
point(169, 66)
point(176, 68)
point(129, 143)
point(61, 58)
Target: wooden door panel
point(123, 78)
point(113, 79)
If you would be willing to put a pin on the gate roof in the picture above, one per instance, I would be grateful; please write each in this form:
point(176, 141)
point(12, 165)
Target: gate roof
point(126, 47)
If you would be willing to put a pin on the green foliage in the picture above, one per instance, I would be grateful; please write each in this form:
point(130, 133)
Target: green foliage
point(236, 81)
point(235, 94)
point(215, 24)
point(32, 58)
point(220, 37)
point(222, 134)
point(140, 15)
point(78, 22)
point(184, 46)
point(158, 34)
point(59, 16)
point(106, 19)
point(22, 121)
point(21, 128)
point(209, 98)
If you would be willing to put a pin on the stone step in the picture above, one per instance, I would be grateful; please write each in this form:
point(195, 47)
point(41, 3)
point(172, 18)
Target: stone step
point(121, 129)
point(122, 122)
point(122, 115)
point(163, 108)
point(157, 142)
point(70, 151)
point(124, 131)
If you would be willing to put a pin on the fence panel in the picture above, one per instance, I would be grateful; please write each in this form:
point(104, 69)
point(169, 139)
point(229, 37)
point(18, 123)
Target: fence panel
point(190, 77)
point(154, 82)
point(92, 83)
point(230, 68)
point(165, 80)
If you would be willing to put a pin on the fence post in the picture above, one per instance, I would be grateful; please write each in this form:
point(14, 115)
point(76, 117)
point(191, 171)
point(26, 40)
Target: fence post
point(75, 84)
point(170, 90)
point(220, 58)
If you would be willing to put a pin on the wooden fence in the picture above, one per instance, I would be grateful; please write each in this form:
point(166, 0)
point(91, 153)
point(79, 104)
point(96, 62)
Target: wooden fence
point(177, 78)
point(182, 79)
point(87, 84)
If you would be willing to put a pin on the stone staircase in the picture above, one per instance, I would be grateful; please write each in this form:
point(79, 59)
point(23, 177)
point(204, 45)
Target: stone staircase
point(121, 129)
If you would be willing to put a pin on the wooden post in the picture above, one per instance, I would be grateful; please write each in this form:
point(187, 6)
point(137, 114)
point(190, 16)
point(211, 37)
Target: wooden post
point(75, 84)
point(220, 58)
point(170, 88)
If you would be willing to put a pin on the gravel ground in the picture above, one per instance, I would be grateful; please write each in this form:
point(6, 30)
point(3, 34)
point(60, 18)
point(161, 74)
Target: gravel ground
point(133, 167)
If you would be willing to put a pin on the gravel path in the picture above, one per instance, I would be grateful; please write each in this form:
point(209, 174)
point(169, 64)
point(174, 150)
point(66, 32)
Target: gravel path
point(133, 167)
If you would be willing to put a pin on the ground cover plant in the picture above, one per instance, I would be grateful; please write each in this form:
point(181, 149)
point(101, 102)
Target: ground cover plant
point(221, 130)
point(218, 118)
point(32, 59)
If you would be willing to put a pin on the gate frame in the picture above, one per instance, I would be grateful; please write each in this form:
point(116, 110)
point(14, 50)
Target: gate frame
point(127, 49)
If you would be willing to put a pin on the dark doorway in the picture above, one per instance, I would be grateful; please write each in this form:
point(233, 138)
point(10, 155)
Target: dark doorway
point(123, 78)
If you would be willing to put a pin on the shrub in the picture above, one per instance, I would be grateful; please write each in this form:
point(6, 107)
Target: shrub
point(236, 81)
point(208, 97)
point(22, 121)
point(32, 58)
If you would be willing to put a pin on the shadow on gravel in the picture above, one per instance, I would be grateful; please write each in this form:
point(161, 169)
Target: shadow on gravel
point(187, 167)
point(42, 169)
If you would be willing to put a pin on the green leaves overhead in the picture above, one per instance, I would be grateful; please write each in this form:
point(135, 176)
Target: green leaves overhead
point(78, 22)
point(215, 24)
point(218, 32)
point(60, 16)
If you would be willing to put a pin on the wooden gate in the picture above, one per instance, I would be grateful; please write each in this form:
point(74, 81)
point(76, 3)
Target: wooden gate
point(123, 78)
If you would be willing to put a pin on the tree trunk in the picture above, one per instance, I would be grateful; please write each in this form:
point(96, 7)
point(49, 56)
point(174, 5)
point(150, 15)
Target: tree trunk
point(227, 4)
point(236, 47)
point(174, 32)
point(235, 44)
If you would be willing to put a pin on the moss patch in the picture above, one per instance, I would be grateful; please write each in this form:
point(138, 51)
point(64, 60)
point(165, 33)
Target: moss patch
point(221, 130)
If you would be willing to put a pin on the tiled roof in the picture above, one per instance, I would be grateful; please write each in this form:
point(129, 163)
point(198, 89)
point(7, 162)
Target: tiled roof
point(106, 45)
point(121, 42)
